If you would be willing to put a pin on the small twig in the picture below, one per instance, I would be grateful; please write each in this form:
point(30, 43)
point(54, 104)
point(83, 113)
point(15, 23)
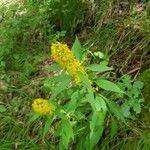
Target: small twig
point(134, 70)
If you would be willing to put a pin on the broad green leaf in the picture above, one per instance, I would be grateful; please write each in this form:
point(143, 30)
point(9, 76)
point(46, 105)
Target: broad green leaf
point(77, 49)
point(96, 127)
point(60, 78)
point(138, 84)
point(91, 99)
point(116, 110)
point(137, 107)
point(55, 79)
point(54, 67)
point(47, 126)
point(85, 81)
point(108, 86)
point(90, 95)
point(126, 108)
point(98, 67)
point(114, 128)
point(73, 103)
point(60, 83)
point(104, 62)
point(67, 133)
point(61, 86)
point(100, 104)
point(2, 109)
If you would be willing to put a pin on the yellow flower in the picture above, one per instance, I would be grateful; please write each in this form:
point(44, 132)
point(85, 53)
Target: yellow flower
point(65, 57)
point(42, 106)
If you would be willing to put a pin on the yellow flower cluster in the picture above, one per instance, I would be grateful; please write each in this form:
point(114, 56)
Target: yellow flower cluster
point(65, 57)
point(42, 106)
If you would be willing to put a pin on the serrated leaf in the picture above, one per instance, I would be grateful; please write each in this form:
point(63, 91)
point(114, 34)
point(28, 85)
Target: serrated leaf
point(54, 67)
point(2, 109)
point(77, 49)
point(99, 68)
point(126, 109)
point(108, 86)
point(127, 81)
point(116, 110)
point(47, 126)
point(96, 127)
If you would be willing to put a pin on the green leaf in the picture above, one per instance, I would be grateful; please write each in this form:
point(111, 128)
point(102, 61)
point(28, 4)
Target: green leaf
point(90, 98)
point(100, 104)
point(137, 107)
point(47, 126)
point(85, 81)
point(108, 86)
point(83, 143)
point(116, 110)
point(126, 108)
point(2, 109)
point(77, 49)
point(72, 105)
point(67, 133)
point(60, 78)
point(138, 84)
point(54, 67)
point(61, 86)
point(55, 79)
point(127, 81)
point(114, 128)
point(90, 95)
point(96, 127)
point(99, 67)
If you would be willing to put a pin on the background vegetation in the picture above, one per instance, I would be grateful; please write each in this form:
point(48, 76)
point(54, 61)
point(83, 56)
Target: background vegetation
point(115, 33)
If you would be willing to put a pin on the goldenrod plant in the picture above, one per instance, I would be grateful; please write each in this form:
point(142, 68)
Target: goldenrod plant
point(56, 93)
point(42, 106)
point(65, 57)
point(84, 100)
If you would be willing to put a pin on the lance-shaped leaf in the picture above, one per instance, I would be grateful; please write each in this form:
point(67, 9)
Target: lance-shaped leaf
point(77, 49)
point(98, 67)
point(108, 86)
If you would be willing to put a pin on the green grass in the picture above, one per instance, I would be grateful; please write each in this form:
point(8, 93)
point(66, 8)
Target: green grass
point(123, 38)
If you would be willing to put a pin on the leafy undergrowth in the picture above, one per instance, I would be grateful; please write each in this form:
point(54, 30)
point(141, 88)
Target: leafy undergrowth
point(98, 101)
